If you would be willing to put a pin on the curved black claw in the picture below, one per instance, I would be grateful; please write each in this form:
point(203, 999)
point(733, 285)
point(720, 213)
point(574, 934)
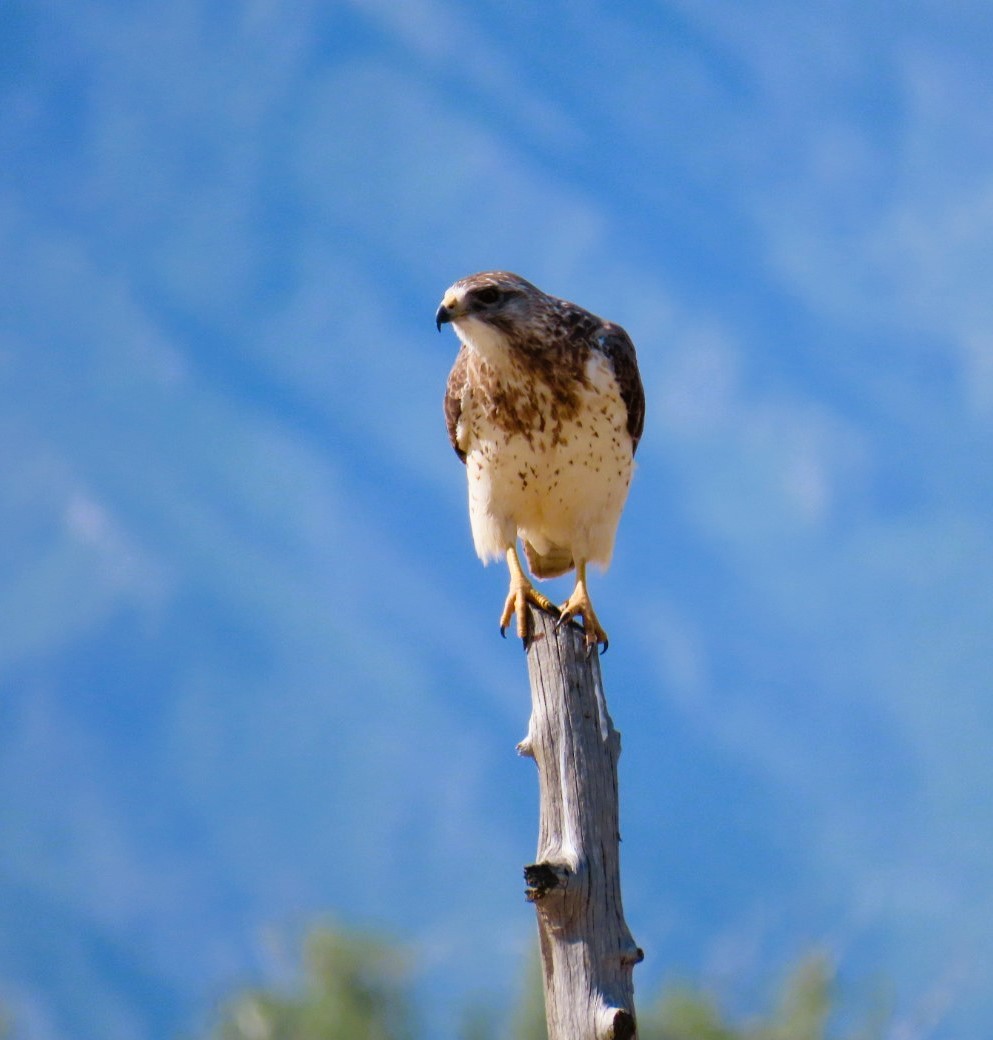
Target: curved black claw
point(526, 640)
point(565, 617)
point(591, 646)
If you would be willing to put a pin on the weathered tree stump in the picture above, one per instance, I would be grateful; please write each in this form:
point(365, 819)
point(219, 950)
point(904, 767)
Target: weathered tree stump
point(587, 951)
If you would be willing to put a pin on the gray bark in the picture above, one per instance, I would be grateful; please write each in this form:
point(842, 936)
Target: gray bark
point(587, 951)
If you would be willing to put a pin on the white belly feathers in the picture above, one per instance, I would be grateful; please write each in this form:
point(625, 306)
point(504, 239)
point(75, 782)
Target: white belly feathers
point(562, 486)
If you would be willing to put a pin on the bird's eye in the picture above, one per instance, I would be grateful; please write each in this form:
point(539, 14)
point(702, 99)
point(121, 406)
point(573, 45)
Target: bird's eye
point(488, 295)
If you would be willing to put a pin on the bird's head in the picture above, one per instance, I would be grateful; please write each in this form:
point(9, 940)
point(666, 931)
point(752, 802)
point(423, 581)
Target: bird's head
point(489, 308)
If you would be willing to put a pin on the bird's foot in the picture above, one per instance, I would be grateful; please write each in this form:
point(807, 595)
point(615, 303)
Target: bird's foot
point(522, 592)
point(579, 605)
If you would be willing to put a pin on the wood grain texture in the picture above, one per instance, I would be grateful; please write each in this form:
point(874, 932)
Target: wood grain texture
point(587, 951)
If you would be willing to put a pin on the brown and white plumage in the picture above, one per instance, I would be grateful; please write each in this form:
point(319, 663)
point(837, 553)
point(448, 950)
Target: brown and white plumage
point(545, 407)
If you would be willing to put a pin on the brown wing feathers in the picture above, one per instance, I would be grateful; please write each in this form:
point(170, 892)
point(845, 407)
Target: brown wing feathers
point(453, 398)
point(617, 345)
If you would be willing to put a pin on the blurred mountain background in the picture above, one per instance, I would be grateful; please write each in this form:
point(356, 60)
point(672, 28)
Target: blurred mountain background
point(249, 663)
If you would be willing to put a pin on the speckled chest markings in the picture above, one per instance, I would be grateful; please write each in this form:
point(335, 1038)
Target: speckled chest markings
point(535, 451)
point(537, 388)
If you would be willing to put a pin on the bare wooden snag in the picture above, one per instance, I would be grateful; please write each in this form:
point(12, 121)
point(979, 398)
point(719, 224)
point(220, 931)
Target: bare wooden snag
point(587, 951)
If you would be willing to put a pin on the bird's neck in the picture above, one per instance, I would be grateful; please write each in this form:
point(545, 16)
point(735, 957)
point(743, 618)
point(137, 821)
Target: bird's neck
point(488, 343)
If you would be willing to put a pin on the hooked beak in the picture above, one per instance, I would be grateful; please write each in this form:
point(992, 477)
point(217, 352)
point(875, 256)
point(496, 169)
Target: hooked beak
point(451, 309)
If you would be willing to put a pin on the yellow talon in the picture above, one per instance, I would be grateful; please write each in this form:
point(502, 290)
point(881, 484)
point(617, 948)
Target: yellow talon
point(521, 593)
point(579, 605)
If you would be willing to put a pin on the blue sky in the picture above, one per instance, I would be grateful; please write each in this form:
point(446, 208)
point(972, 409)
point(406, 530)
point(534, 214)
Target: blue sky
point(250, 661)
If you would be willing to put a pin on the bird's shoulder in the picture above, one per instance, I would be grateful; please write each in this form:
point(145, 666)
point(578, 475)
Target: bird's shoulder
point(455, 390)
point(613, 342)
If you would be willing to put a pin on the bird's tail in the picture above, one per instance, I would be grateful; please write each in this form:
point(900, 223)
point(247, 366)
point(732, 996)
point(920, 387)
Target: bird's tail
point(549, 564)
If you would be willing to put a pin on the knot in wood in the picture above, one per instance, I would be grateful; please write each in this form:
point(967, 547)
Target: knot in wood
point(633, 955)
point(623, 1026)
point(542, 878)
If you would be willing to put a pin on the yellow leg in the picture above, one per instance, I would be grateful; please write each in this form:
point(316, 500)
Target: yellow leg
point(521, 593)
point(579, 605)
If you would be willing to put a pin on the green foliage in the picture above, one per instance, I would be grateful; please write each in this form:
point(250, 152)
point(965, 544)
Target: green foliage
point(525, 1021)
point(528, 1021)
point(354, 988)
point(804, 1010)
point(685, 1014)
point(480, 1021)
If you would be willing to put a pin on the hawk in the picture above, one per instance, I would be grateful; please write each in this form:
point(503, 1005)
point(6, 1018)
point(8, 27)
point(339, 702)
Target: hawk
point(545, 407)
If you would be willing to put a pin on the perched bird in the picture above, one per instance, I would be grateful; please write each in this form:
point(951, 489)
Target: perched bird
point(545, 407)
